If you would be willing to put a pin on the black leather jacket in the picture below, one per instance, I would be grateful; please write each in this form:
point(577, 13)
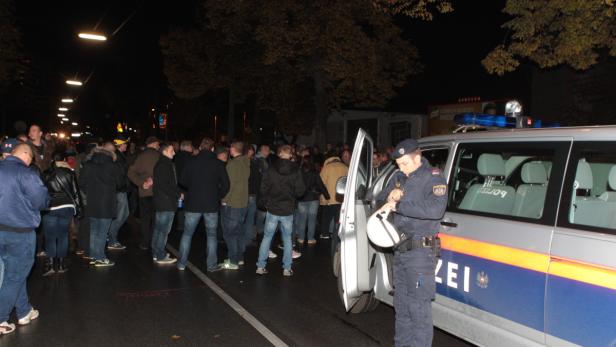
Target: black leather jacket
point(62, 185)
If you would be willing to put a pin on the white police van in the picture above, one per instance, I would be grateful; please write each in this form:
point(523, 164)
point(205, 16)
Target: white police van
point(528, 240)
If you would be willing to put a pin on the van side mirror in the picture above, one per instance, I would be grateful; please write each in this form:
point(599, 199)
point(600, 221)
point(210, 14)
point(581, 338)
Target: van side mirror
point(341, 185)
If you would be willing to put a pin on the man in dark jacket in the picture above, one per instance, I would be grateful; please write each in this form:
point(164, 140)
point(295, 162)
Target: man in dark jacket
point(181, 159)
point(22, 197)
point(42, 149)
point(119, 148)
point(99, 180)
point(183, 156)
point(140, 173)
point(281, 186)
point(206, 182)
point(308, 205)
point(166, 196)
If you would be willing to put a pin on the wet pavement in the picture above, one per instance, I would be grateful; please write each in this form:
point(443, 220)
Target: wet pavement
point(139, 303)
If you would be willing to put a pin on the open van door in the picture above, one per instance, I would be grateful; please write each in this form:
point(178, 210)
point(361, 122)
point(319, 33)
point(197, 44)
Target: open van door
point(354, 213)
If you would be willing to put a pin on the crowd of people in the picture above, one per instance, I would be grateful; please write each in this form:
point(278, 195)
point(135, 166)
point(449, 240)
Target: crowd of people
point(67, 196)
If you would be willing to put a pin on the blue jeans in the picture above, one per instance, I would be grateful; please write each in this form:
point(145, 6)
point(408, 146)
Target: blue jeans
point(55, 228)
point(120, 219)
point(17, 254)
point(191, 219)
point(232, 221)
point(286, 227)
point(99, 228)
point(248, 234)
point(162, 227)
point(307, 214)
point(260, 222)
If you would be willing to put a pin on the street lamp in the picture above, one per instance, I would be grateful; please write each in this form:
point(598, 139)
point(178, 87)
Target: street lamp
point(74, 124)
point(62, 109)
point(65, 119)
point(61, 115)
point(67, 101)
point(92, 36)
point(74, 82)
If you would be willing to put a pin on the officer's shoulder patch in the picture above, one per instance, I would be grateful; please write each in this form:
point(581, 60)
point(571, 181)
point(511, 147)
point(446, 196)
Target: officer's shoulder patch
point(439, 189)
point(436, 171)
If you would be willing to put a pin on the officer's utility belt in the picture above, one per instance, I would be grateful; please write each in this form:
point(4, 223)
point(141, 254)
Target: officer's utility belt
point(432, 242)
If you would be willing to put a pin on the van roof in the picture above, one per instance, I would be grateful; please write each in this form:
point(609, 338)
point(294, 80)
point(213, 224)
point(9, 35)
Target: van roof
point(599, 132)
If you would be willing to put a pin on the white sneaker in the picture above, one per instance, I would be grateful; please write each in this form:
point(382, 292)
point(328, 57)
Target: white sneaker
point(272, 255)
point(32, 315)
point(6, 328)
point(165, 260)
point(295, 254)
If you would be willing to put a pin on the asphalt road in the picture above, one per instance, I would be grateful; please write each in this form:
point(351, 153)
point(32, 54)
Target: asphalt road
point(139, 303)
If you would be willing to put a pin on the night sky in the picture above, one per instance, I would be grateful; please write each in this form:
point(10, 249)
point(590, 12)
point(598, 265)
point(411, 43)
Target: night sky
point(126, 77)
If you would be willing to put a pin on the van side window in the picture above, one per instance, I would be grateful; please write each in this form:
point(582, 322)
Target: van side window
point(437, 157)
point(364, 171)
point(508, 179)
point(591, 186)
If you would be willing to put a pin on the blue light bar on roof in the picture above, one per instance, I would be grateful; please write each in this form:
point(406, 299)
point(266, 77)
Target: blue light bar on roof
point(486, 120)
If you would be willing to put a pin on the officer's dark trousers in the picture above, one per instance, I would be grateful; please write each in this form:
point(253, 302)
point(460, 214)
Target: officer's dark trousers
point(414, 291)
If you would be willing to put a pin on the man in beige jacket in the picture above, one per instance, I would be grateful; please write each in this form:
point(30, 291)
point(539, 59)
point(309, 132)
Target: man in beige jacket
point(333, 169)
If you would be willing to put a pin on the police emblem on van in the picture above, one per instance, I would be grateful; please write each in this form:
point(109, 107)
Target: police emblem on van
point(482, 280)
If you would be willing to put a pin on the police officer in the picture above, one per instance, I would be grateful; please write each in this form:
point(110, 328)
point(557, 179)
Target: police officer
point(418, 197)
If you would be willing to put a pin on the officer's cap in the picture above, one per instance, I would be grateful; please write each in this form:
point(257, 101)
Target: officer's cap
point(8, 145)
point(407, 146)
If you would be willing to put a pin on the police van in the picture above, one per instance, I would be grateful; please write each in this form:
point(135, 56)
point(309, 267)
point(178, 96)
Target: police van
point(528, 239)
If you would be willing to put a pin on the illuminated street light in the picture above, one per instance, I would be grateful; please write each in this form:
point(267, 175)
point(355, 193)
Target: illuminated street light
point(62, 109)
point(65, 119)
point(61, 122)
point(76, 135)
point(91, 36)
point(74, 123)
point(61, 135)
point(74, 83)
point(67, 101)
point(61, 115)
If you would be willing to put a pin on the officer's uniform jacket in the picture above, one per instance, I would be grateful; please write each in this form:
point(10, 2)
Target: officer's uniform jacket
point(421, 208)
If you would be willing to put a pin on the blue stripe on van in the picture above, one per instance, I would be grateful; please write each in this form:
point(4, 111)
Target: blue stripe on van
point(578, 312)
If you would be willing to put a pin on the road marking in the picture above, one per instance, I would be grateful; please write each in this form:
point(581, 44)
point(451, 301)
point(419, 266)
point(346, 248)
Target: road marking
point(262, 329)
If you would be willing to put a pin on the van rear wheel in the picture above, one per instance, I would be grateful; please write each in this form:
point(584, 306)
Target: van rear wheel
point(366, 303)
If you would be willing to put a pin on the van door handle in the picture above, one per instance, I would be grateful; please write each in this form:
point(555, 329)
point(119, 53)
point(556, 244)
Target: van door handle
point(449, 224)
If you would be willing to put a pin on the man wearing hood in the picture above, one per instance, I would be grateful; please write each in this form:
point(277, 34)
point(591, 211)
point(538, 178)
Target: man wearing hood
point(99, 180)
point(281, 187)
